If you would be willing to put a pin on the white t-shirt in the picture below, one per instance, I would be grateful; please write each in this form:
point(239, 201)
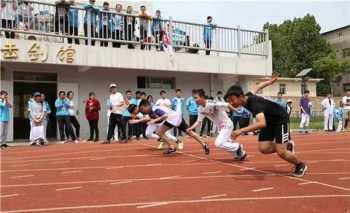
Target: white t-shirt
point(346, 102)
point(163, 102)
point(71, 110)
point(178, 105)
point(116, 100)
point(216, 112)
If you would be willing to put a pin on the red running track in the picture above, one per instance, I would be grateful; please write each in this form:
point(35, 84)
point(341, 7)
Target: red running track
point(135, 177)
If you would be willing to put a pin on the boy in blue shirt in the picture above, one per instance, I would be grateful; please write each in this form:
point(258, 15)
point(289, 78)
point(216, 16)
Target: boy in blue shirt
point(4, 117)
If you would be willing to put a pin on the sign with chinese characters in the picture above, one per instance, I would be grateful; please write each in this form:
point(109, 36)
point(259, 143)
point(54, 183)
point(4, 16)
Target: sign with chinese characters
point(9, 51)
point(38, 52)
point(66, 54)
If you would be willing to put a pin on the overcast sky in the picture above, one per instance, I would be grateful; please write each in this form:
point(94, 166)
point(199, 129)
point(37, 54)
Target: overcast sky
point(253, 14)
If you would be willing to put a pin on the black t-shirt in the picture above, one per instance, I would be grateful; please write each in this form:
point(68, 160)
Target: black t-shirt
point(274, 113)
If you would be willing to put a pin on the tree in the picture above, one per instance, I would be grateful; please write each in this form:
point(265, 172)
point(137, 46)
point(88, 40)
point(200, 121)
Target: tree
point(331, 70)
point(296, 44)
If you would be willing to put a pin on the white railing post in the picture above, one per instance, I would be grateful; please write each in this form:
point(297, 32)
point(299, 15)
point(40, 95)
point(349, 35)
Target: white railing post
point(88, 26)
point(267, 42)
point(239, 40)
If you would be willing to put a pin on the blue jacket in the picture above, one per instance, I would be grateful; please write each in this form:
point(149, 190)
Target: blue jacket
point(191, 106)
point(157, 25)
point(73, 17)
point(92, 12)
point(62, 107)
point(126, 113)
point(282, 103)
point(174, 104)
point(208, 32)
point(117, 23)
point(4, 111)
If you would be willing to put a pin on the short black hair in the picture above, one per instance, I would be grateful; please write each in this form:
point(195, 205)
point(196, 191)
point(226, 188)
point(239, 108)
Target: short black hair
point(131, 108)
point(200, 92)
point(138, 92)
point(234, 90)
point(91, 93)
point(209, 17)
point(144, 103)
point(143, 93)
point(280, 93)
point(178, 90)
point(162, 92)
point(306, 92)
point(128, 91)
point(219, 92)
point(194, 91)
point(105, 3)
point(69, 93)
point(3, 92)
point(61, 92)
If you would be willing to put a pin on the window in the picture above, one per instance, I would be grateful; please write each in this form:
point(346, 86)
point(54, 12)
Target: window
point(346, 87)
point(144, 82)
point(346, 52)
point(283, 89)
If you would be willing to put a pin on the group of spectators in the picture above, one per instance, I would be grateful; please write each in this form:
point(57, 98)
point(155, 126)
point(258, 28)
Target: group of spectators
point(108, 22)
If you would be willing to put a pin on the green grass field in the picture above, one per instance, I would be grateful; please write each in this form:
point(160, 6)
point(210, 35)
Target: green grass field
point(315, 123)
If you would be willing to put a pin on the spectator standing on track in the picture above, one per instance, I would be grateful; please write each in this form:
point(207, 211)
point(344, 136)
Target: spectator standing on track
point(115, 119)
point(105, 24)
point(157, 28)
point(127, 115)
point(163, 100)
point(92, 109)
point(281, 101)
point(73, 21)
point(305, 110)
point(47, 110)
point(346, 105)
point(339, 115)
point(73, 112)
point(4, 117)
point(192, 109)
point(178, 105)
point(150, 100)
point(117, 25)
point(62, 115)
point(36, 116)
point(327, 106)
point(129, 27)
point(208, 34)
point(90, 21)
point(8, 17)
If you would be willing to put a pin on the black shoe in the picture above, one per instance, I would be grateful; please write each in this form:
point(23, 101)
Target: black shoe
point(241, 154)
point(106, 142)
point(96, 140)
point(3, 146)
point(300, 170)
point(291, 146)
point(169, 151)
point(206, 149)
point(90, 139)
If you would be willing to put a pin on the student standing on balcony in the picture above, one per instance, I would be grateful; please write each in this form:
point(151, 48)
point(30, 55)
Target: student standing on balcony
point(129, 27)
point(8, 17)
point(90, 21)
point(73, 20)
point(208, 34)
point(144, 25)
point(105, 24)
point(73, 114)
point(157, 28)
point(25, 14)
point(62, 115)
point(117, 25)
point(61, 16)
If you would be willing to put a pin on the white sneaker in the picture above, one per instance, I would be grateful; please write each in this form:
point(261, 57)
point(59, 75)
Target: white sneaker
point(76, 141)
point(161, 145)
point(180, 145)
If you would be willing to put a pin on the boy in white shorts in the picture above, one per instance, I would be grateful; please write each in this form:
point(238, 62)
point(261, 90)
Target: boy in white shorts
point(162, 119)
point(216, 112)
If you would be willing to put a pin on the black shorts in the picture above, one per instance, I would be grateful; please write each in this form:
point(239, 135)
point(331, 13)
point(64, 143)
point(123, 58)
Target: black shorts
point(183, 125)
point(278, 133)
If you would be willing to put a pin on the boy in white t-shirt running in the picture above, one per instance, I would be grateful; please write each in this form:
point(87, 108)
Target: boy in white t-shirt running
point(216, 111)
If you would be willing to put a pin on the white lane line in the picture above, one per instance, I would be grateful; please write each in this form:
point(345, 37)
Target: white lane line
point(247, 169)
point(98, 158)
point(19, 165)
point(306, 183)
point(71, 188)
point(152, 205)
point(21, 176)
point(210, 173)
point(337, 160)
point(60, 162)
point(214, 196)
point(169, 178)
point(121, 182)
point(70, 172)
point(262, 189)
point(11, 195)
point(344, 178)
point(153, 164)
point(230, 199)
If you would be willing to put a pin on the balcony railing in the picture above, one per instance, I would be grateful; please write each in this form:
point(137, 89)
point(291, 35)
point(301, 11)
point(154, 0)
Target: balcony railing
point(86, 25)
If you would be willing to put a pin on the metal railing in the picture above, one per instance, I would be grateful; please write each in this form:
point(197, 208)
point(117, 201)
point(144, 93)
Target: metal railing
point(88, 24)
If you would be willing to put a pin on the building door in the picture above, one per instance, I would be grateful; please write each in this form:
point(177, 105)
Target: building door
point(22, 92)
